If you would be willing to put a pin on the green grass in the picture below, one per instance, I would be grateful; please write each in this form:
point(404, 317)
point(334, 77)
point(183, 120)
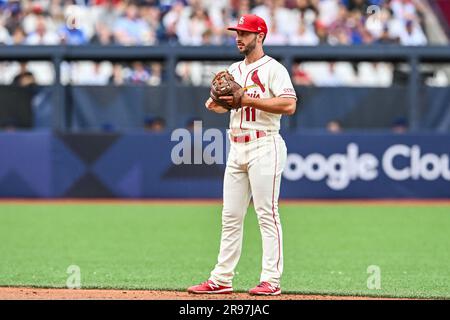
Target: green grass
point(327, 248)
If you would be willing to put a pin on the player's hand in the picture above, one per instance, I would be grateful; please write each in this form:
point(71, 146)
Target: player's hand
point(227, 99)
point(212, 106)
point(231, 100)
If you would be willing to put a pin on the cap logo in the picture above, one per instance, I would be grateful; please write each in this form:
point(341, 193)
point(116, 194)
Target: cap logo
point(241, 20)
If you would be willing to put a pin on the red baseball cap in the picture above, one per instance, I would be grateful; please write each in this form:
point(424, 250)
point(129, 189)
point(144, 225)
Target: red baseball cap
point(250, 23)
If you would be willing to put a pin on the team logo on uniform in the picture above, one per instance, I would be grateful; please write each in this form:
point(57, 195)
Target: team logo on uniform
point(256, 81)
point(241, 20)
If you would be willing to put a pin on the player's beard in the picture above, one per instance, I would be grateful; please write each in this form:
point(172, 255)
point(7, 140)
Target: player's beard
point(247, 49)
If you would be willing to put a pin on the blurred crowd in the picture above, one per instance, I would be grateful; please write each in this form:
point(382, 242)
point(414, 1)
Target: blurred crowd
point(204, 22)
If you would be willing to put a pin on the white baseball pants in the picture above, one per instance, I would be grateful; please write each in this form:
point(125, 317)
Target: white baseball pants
point(253, 170)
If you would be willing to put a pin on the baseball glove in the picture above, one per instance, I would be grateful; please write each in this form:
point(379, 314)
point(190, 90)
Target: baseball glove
point(223, 84)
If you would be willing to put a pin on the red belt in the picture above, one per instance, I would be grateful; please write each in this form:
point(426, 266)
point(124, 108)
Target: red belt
point(248, 137)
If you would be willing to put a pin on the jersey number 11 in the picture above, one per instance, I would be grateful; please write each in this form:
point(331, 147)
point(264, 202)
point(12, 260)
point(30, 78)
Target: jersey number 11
point(250, 114)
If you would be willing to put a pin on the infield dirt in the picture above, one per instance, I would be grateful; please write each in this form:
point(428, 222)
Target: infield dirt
point(14, 293)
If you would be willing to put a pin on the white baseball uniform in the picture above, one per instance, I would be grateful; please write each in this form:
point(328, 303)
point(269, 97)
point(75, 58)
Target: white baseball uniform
point(254, 170)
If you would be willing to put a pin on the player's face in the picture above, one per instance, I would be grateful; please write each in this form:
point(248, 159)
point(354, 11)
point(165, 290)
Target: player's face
point(246, 41)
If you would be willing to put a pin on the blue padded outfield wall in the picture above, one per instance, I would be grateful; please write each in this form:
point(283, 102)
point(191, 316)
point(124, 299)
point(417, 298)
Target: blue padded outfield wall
point(97, 107)
point(138, 165)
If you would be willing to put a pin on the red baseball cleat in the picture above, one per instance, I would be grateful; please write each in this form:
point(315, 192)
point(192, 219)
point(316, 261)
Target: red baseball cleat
point(210, 287)
point(265, 289)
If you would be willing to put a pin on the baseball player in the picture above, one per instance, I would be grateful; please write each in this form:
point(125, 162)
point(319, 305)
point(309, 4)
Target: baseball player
point(256, 160)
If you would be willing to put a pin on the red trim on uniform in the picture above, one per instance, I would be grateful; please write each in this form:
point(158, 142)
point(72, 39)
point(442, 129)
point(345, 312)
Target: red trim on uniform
point(242, 115)
point(273, 206)
point(248, 138)
point(289, 95)
point(245, 84)
point(240, 73)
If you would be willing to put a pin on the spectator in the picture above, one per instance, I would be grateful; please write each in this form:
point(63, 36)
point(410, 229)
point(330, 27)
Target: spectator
point(399, 125)
point(355, 27)
point(341, 20)
point(173, 23)
point(305, 36)
point(334, 126)
point(138, 74)
point(242, 8)
point(340, 36)
point(404, 9)
point(412, 35)
point(376, 23)
point(154, 124)
point(326, 74)
point(220, 18)
point(321, 32)
point(131, 29)
point(35, 16)
point(198, 24)
point(207, 38)
point(17, 108)
point(191, 123)
point(91, 73)
point(103, 35)
point(156, 74)
point(24, 78)
point(273, 11)
point(395, 26)
point(42, 36)
point(274, 37)
point(358, 5)
point(71, 34)
point(385, 38)
point(108, 12)
point(19, 36)
point(5, 38)
point(300, 77)
point(118, 77)
point(328, 11)
point(306, 12)
point(183, 72)
point(152, 16)
point(14, 14)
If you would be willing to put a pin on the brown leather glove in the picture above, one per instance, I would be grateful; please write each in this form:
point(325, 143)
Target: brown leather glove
point(223, 84)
